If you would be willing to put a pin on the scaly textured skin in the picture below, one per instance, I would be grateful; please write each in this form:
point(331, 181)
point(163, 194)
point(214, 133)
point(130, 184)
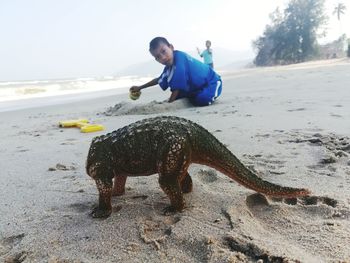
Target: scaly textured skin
point(166, 145)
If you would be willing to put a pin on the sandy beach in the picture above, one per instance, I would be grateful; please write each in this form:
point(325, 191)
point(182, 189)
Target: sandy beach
point(289, 124)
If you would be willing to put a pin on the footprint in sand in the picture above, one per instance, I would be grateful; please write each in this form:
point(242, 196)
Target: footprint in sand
point(153, 231)
point(81, 207)
point(262, 226)
point(258, 199)
point(142, 197)
point(207, 175)
point(308, 200)
point(298, 109)
point(62, 167)
point(8, 244)
point(269, 163)
point(16, 257)
point(251, 252)
point(12, 240)
point(336, 147)
point(69, 142)
point(22, 150)
point(316, 200)
point(87, 207)
point(335, 115)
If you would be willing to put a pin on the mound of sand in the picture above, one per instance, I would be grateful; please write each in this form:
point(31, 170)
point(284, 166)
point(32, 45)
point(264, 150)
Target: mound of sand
point(153, 107)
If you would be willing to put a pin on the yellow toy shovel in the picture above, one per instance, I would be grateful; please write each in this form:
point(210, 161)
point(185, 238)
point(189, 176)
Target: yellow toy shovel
point(73, 123)
point(92, 128)
point(83, 124)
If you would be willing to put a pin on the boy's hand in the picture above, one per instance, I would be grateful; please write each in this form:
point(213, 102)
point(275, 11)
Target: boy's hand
point(173, 95)
point(135, 88)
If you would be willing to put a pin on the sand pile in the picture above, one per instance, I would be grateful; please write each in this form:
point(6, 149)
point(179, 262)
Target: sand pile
point(153, 107)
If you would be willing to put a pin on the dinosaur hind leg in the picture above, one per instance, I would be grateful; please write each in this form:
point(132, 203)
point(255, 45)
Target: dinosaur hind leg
point(119, 185)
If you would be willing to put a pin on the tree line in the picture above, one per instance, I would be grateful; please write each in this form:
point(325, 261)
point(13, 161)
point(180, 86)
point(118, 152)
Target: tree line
point(292, 35)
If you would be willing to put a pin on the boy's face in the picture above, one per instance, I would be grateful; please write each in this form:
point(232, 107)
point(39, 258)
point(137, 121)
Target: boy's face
point(208, 44)
point(164, 54)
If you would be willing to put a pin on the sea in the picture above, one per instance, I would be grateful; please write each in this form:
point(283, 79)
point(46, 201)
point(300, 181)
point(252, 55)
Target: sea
point(25, 94)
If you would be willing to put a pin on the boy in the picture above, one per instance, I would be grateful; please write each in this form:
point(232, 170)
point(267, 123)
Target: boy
point(186, 76)
point(207, 54)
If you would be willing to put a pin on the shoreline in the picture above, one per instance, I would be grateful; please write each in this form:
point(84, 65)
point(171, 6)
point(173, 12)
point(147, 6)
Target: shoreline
point(83, 95)
point(23, 93)
point(29, 103)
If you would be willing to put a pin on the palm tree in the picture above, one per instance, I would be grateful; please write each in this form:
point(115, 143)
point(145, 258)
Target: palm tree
point(339, 10)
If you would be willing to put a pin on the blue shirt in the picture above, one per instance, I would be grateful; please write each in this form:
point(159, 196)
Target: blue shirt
point(207, 56)
point(187, 74)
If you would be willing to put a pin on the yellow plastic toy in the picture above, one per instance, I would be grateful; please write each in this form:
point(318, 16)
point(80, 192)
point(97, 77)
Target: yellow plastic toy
point(73, 123)
point(92, 128)
point(134, 95)
point(83, 124)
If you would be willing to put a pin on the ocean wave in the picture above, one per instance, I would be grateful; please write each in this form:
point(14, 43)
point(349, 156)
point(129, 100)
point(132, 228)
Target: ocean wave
point(46, 88)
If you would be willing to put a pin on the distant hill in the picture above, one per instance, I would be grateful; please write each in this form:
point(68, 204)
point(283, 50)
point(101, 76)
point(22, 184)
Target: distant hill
point(247, 63)
point(143, 69)
point(224, 59)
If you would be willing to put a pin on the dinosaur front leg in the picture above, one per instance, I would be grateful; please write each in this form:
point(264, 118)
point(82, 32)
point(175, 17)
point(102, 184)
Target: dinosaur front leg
point(174, 160)
point(171, 187)
point(104, 208)
point(119, 185)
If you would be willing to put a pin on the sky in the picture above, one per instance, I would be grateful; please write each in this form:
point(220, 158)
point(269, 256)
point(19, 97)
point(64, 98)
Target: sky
point(47, 39)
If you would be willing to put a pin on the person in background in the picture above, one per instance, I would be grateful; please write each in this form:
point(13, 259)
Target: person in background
point(186, 76)
point(207, 54)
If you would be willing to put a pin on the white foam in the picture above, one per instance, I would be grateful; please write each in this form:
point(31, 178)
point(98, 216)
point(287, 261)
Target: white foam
point(13, 91)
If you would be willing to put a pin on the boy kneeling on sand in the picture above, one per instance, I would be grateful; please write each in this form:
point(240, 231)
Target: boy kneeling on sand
point(186, 76)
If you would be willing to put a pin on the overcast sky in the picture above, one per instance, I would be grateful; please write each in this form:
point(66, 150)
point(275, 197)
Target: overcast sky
point(46, 39)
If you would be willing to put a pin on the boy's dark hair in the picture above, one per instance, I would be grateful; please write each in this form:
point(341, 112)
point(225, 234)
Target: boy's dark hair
point(155, 42)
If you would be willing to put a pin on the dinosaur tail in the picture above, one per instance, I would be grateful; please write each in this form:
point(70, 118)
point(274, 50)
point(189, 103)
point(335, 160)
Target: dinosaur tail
point(213, 153)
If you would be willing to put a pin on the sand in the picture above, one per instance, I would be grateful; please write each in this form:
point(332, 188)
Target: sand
point(289, 124)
